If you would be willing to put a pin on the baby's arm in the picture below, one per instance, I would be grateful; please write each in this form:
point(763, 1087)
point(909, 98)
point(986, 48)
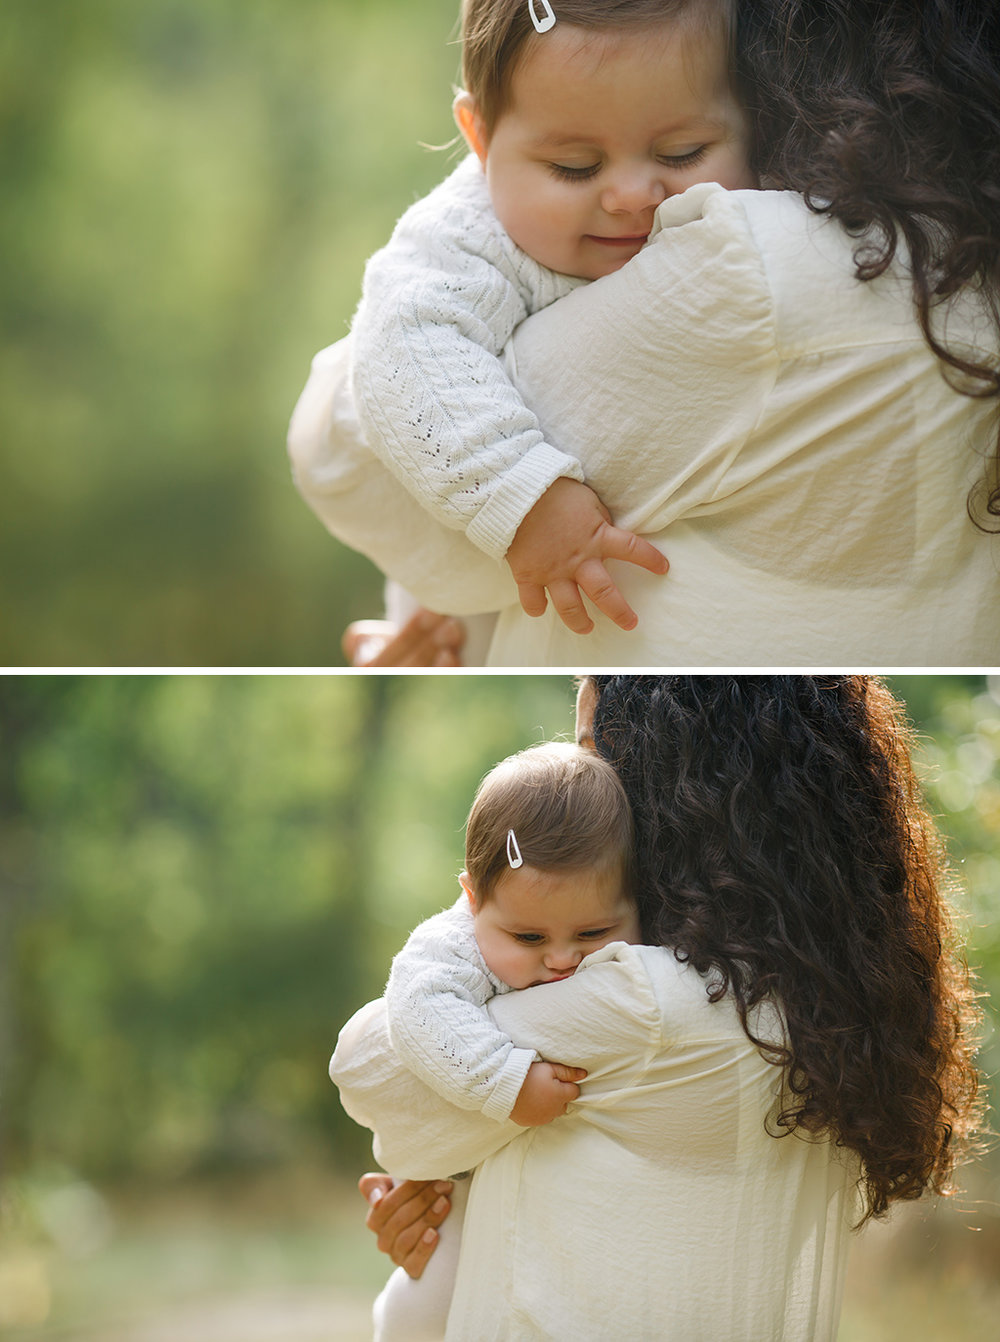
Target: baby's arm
point(438, 1026)
point(439, 305)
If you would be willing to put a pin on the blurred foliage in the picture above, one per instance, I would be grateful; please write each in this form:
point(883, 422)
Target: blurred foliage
point(191, 188)
point(202, 877)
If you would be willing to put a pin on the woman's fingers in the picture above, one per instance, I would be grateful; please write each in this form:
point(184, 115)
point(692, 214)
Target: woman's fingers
point(374, 1187)
point(426, 639)
point(405, 1218)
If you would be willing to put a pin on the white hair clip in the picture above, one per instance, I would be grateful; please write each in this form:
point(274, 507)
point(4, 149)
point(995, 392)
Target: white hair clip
point(513, 852)
point(548, 19)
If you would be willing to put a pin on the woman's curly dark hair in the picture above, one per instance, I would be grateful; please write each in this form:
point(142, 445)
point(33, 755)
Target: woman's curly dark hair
point(784, 851)
point(885, 114)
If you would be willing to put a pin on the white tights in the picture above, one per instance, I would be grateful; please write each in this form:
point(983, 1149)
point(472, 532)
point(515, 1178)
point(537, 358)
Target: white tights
point(417, 1311)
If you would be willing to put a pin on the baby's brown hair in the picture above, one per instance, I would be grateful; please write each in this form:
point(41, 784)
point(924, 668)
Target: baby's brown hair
point(566, 807)
point(494, 33)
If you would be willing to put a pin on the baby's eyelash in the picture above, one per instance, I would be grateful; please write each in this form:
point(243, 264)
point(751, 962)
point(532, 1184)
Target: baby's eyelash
point(568, 174)
point(679, 161)
point(685, 160)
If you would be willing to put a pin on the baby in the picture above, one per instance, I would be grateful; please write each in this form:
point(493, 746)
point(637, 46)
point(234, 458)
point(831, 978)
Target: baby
point(582, 118)
point(548, 860)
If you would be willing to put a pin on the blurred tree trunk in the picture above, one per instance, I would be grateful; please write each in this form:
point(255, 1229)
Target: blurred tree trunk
point(29, 705)
point(359, 829)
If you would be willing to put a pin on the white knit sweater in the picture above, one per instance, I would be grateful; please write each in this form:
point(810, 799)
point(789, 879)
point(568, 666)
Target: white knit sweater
point(439, 304)
point(436, 1010)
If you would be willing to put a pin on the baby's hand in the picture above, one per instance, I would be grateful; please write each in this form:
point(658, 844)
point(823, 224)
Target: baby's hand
point(548, 1088)
point(562, 544)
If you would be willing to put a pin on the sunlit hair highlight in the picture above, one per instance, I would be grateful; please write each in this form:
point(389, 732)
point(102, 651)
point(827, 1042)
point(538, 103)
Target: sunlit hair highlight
point(782, 849)
point(567, 808)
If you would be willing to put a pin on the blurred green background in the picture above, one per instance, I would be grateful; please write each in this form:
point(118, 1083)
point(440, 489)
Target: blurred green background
point(201, 878)
point(190, 191)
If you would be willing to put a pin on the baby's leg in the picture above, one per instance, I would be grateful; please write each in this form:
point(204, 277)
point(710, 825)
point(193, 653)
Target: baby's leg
point(417, 1311)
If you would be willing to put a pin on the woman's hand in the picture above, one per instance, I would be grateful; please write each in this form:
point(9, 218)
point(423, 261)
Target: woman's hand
point(426, 639)
point(405, 1218)
point(561, 546)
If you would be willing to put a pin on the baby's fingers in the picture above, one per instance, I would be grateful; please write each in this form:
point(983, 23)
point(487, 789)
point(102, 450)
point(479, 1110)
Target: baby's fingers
point(532, 598)
point(568, 1092)
point(569, 605)
point(599, 585)
point(564, 1073)
point(619, 544)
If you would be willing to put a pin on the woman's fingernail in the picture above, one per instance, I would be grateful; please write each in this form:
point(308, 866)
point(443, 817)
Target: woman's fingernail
point(443, 1186)
point(376, 1196)
point(429, 1236)
point(440, 1206)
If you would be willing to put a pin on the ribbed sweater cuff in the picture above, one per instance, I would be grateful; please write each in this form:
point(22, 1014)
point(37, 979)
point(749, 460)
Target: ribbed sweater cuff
point(509, 1083)
point(516, 493)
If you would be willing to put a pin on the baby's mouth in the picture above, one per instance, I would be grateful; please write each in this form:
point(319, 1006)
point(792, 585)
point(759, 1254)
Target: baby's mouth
point(631, 240)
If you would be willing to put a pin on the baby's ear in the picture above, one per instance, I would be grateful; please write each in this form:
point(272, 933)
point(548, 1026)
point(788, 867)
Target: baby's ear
point(463, 881)
point(471, 124)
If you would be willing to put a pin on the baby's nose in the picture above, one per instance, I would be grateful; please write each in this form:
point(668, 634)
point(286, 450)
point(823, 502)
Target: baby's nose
point(561, 960)
point(633, 191)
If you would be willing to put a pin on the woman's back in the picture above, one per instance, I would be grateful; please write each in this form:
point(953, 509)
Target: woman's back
point(785, 435)
point(661, 1207)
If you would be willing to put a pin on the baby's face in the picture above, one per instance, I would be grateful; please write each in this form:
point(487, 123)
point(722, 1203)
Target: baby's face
point(603, 127)
point(538, 925)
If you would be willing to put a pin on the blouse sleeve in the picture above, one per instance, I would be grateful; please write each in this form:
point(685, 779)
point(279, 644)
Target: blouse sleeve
point(606, 1019)
point(418, 1135)
point(365, 507)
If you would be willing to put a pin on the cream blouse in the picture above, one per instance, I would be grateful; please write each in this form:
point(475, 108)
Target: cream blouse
point(778, 428)
point(659, 1207)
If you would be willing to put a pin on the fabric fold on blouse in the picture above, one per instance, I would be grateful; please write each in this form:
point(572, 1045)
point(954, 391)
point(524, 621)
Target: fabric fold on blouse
point(778, 428)
point(659, 1207)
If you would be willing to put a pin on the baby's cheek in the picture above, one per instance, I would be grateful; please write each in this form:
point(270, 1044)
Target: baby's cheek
point(517, 973)
point(507, 963)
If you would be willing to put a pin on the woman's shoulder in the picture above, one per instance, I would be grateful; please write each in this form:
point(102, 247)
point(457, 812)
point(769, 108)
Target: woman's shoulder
point(762, 219)
point(655, 978)
point(645, 963)
point(657, 983)
point(805, 260)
